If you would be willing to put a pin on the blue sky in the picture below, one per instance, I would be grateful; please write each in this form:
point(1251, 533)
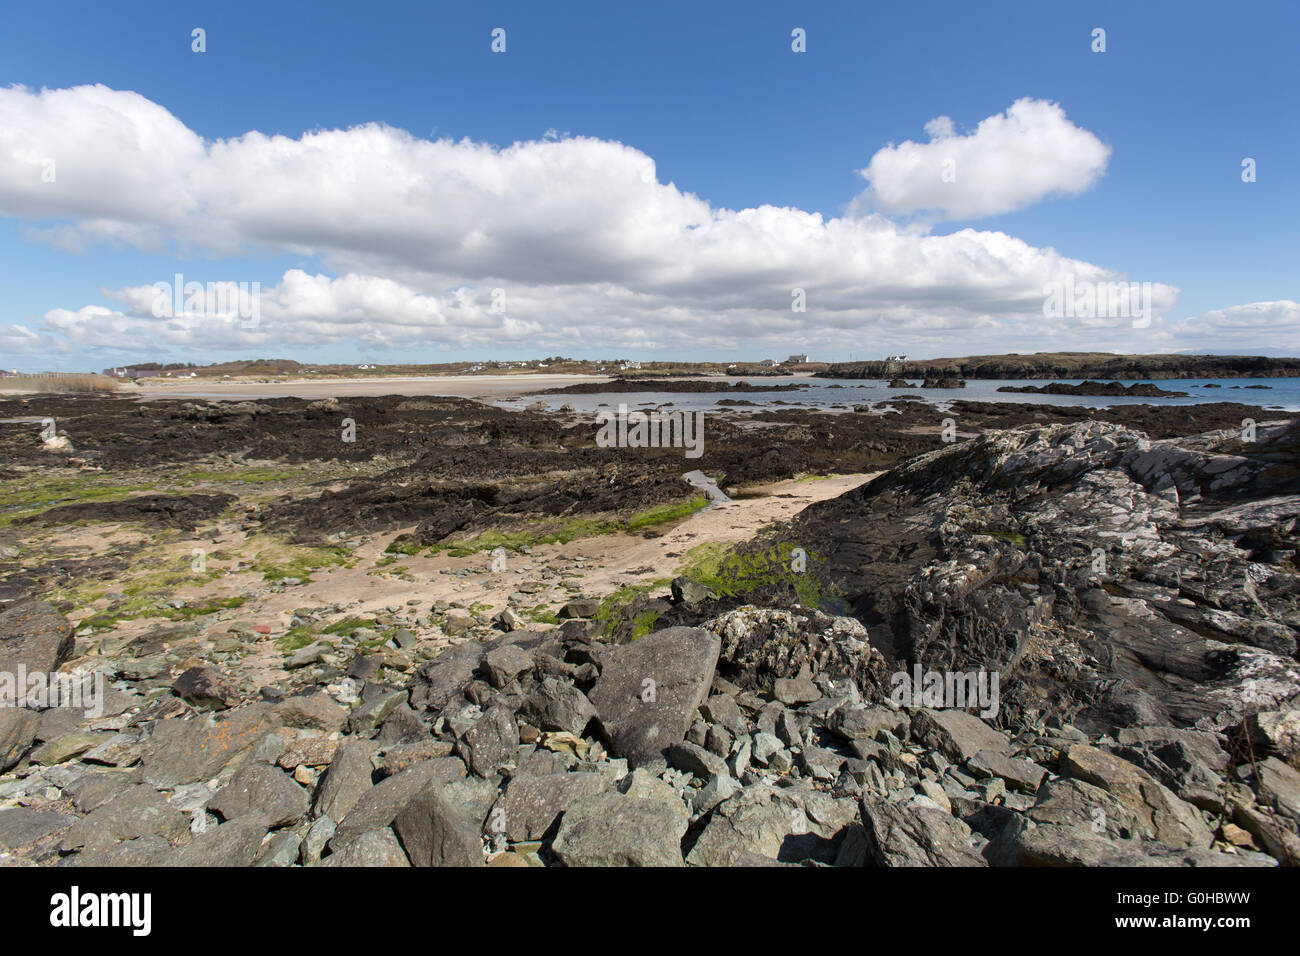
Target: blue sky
point(728, 113)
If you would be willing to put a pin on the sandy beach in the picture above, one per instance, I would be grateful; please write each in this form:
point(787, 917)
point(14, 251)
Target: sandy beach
point(460, 386)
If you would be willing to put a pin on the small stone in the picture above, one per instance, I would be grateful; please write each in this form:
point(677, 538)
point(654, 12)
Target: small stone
point(695, 759)
point(317, 838)
point(764, 746)
point(205, 687)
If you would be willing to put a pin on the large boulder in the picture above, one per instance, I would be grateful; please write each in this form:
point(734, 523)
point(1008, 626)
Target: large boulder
point(139, 811)
point(206, 687)
point(1172, 820)
point(610, 829)
point(263, 788)
point(346, 780)
point(1275, 732)
point(381, 804)
point(1019, 774)
point(1023, 843)
point(312, 712)
point(33, 636)
point(531, 805)
point(492, 742)
point(753, 822)
point(1279, 787)
point(443, 825)
point(187, 751)
point(17, 734)
point(443, 679)
point(1074, 803)
point(373, 848)
point(959, 736)
point(1191, 763)
point(21, 827)
point(649, 690)
point(916, 836)
point(236, 843)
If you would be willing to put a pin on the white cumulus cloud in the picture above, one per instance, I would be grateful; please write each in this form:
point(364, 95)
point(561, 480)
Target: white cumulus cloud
point(587, 246)
point(1011, 160)
point(1248, 329)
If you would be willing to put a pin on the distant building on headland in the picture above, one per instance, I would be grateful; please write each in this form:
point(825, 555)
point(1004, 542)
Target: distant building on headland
point(797, 360)
point(128, 371)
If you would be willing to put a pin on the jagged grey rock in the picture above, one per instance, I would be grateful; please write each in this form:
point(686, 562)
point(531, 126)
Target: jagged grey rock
point(443, 825)
point(959, 736)
point(507, 662)
point(697, 760)
point(186, 751)
point(22, 826)
point(491, 742)
point(35, 637)
point(1172, 820)
point(1022, 775)
point(17, 732)
point(558, 705)
point(915, 836)
point(136, 812)
point(235, 843)
point(531, 805)
point(372, 848)
point(379, 805)
point(610, 829)
point(266, 789)
point(649, 691)
point(346, 780)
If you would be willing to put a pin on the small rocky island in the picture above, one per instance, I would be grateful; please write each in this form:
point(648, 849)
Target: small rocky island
point(1116, 389)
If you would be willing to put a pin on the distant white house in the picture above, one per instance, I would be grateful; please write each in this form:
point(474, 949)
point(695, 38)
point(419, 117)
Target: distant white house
point(768, 363)
point(796, 360)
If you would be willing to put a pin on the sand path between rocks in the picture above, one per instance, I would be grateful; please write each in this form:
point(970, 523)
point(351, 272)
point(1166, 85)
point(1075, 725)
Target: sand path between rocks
point(597, 565)
point(408, 586)
point(587, 567)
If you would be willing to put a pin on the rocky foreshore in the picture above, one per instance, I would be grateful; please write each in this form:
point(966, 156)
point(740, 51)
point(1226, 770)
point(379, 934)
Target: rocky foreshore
point(1126, 611)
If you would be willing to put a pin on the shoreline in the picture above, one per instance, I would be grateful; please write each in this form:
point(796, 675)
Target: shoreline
point(513, 388)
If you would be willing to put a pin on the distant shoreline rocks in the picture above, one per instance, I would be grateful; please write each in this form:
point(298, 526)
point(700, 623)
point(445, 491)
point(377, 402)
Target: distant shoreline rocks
point(1115, 389)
